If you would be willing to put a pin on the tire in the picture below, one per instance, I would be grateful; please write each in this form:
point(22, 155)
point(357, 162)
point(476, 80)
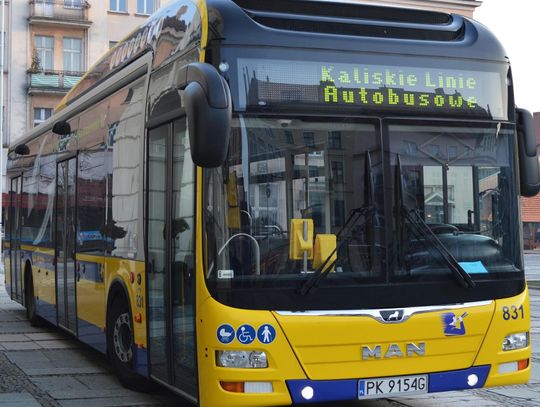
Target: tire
point(30, 301)
point(120, 347)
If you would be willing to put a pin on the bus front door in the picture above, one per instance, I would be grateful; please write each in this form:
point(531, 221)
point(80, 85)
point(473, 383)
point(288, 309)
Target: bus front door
point(171, 231)
point(15, 261)
point(65, 240)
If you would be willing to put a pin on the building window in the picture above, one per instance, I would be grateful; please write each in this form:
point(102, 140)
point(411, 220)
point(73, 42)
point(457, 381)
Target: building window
point(334, 140)
point(309, 138)
point(339, 213)
point(337, 172)
point(118, 6)
point(145, 6)
point(44, 52)
point(41, 114)
point(72, 54)
point(73, 3)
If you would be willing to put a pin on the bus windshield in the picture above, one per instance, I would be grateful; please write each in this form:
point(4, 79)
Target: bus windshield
point(393, 192)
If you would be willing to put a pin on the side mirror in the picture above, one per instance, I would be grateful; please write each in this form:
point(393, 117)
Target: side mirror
point(62, 128)
point(207, 100)
point(529, 174)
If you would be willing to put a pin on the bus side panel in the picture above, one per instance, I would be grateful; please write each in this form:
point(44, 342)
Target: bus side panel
point(93, 289)
point(7, 266)
point(44, 283)
point(91, 301)
point(512, 315)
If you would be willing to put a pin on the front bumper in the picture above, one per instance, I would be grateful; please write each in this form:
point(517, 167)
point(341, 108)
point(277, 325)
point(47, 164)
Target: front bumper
point(342, 390)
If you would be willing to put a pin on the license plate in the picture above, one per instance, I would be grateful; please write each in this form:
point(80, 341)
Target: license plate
point(392, 386)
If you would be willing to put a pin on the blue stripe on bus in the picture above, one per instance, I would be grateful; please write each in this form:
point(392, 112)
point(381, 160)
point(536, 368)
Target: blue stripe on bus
point(46, 311)
point(457, 379)
point(141, 361)
point(341, 390)
point(323, 390)
point(92, 335)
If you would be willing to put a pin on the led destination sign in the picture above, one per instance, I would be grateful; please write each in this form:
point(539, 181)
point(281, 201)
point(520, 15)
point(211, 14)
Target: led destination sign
point(405, 89)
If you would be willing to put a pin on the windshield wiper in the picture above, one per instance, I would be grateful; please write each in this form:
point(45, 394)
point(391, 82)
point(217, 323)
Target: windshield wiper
point(423, 232)
point(367, 211)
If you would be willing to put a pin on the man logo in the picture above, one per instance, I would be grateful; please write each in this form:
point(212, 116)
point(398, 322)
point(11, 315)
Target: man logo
point(392, 315)
point(394, 350)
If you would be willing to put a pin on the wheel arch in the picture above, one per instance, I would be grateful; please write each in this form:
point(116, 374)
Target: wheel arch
point(117, 290)
point(28, 272)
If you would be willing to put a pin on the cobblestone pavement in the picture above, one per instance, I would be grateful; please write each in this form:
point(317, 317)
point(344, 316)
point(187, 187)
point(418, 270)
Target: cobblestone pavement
point(46, 367)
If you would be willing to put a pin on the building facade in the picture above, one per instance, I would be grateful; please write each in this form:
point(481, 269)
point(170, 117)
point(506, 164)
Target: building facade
point(53, 42)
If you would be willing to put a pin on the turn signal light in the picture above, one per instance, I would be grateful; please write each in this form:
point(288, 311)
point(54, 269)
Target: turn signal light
point(234, 387)
point(523, 364)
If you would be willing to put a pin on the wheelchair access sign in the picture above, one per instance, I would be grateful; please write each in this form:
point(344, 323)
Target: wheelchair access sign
point(246, 334)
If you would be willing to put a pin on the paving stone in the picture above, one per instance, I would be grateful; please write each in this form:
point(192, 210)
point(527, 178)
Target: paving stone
point(58, 344)
point(117, 402)
point(90, 394)
point(17, 327)
point(23, 399)
point(45, 336)
point(515, 392)
point(100, 381)
point(21, 346)
point(63, 370)
point(58, 383)
point(12, 338)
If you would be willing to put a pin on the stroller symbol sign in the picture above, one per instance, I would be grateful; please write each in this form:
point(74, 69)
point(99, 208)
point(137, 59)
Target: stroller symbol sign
point(225, 333)
point(266, 334)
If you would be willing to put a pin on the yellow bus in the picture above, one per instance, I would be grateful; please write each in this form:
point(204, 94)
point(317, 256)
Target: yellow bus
point(261, 203)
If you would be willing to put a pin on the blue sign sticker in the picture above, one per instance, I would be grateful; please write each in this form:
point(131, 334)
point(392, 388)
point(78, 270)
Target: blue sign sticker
point(245, 334)
point(266, 334)
point(453, 324)
point(473, 267)
point(225, 333)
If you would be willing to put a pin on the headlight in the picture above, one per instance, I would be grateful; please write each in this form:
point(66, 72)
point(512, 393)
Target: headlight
point(516, 341)
point(241, 359)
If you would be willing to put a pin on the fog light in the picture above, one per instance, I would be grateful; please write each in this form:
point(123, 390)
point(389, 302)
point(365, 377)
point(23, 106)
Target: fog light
point(472, 380)
point(241, 359)
point(516, 341)
point(307, 393)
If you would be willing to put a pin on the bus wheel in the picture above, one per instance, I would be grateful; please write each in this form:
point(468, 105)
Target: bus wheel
point(120, 347)
point(30, 301)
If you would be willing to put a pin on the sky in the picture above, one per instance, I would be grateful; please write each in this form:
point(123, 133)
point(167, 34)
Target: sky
point(517, 25)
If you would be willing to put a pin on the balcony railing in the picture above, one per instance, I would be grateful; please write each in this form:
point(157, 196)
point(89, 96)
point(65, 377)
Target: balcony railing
point(55, 81)
point(63, 10)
